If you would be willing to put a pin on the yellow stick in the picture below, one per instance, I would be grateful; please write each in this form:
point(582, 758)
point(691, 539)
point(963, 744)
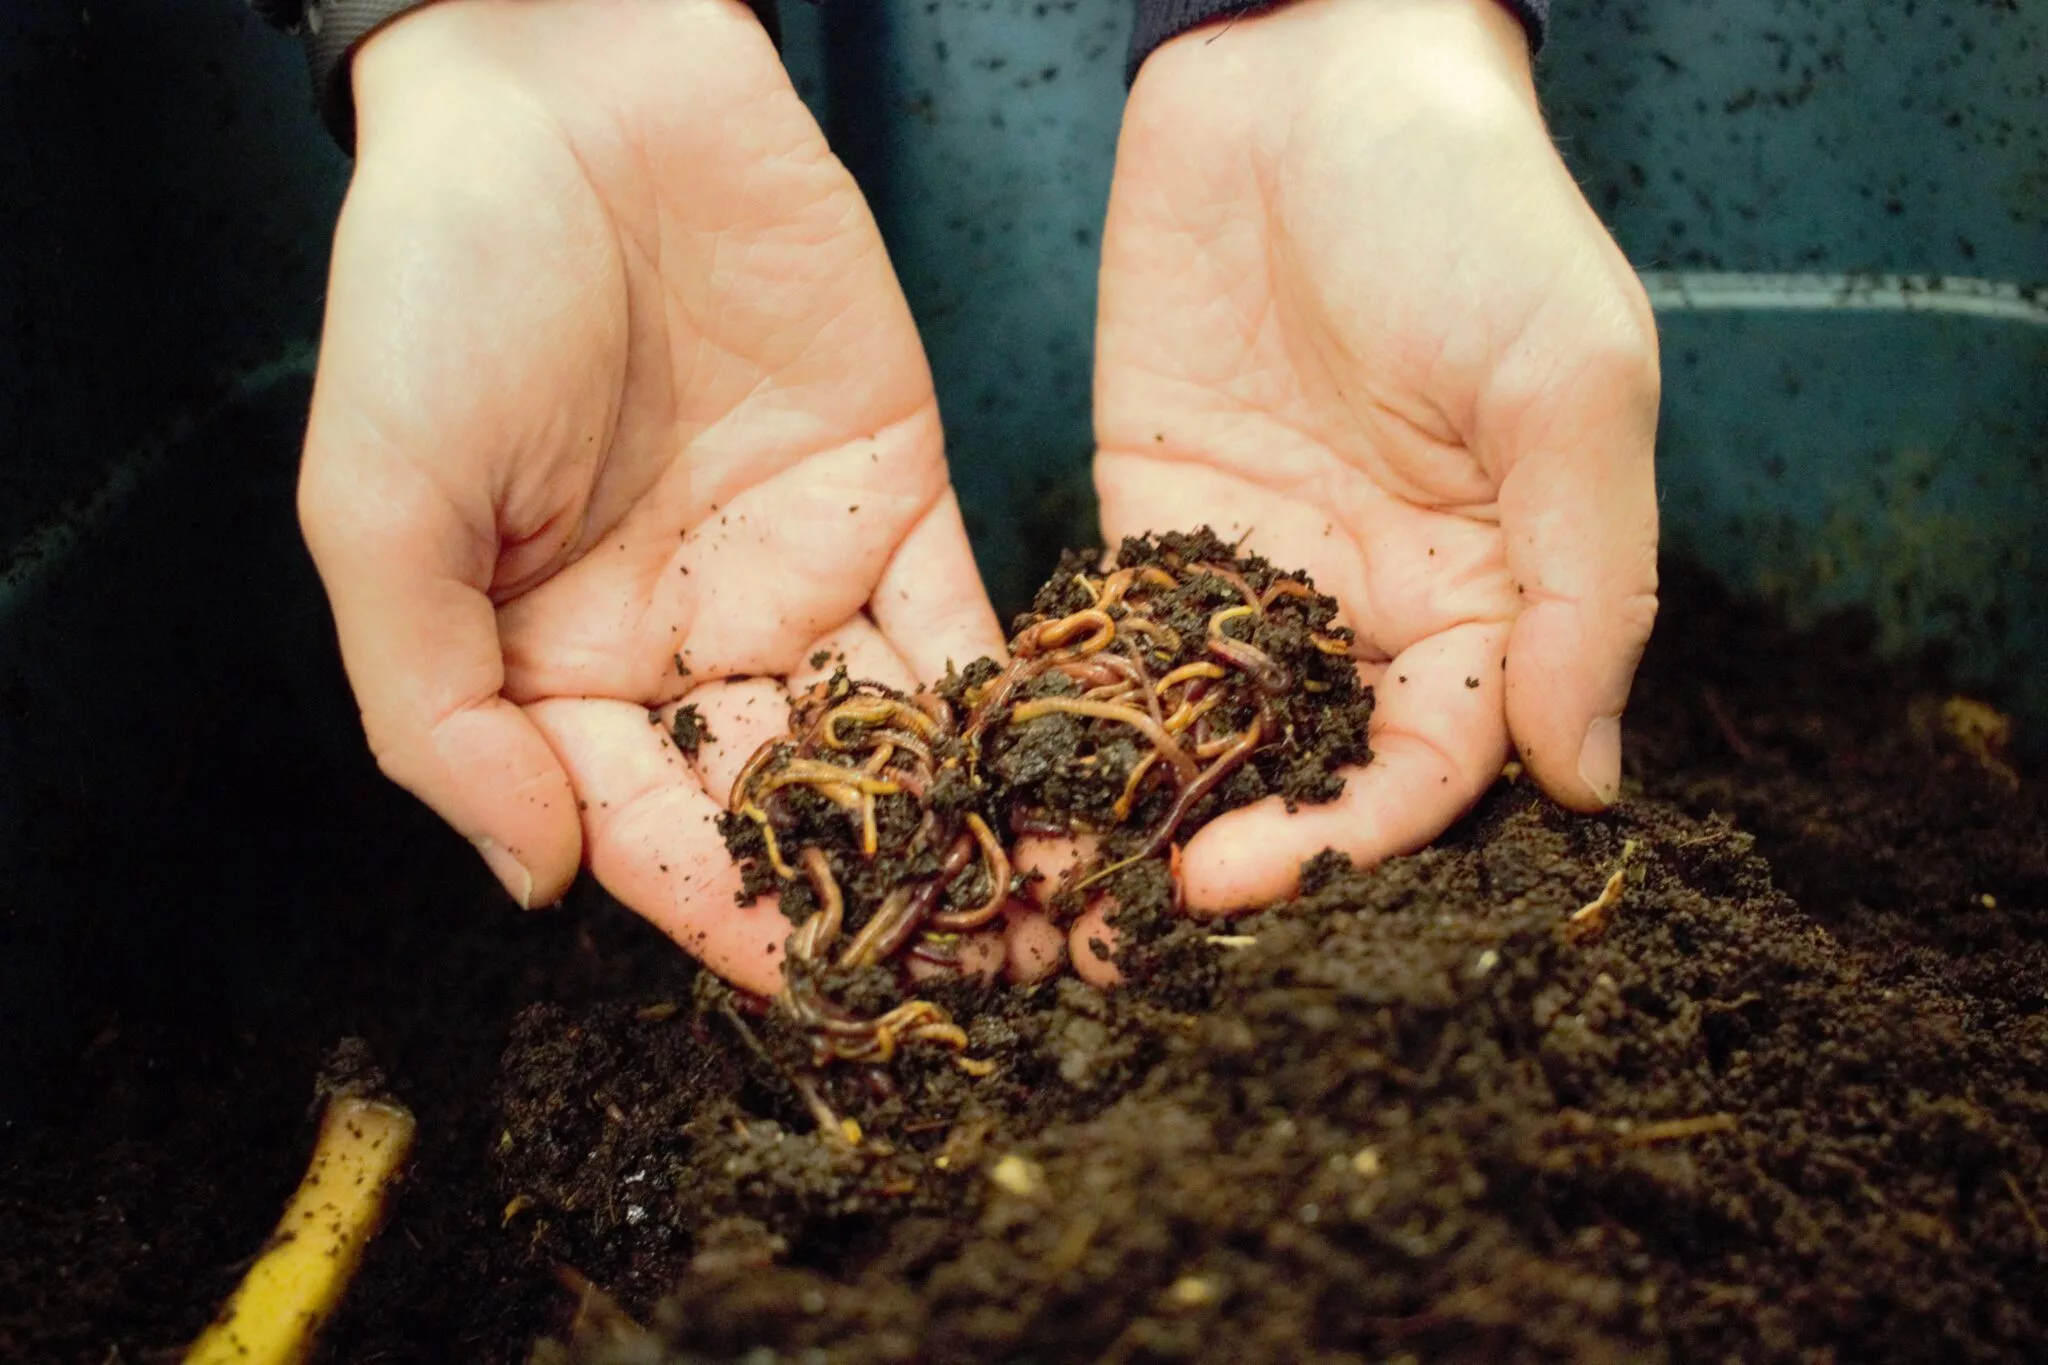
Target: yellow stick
point(299, 1279)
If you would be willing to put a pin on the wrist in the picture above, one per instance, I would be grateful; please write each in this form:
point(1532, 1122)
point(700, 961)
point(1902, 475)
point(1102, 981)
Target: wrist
point(333, 32)
point(1162, 21)
point(1455, 63)
point(1447, 58)
point(382, 49)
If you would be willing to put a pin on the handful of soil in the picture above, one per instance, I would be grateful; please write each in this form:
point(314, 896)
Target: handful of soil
point(1137, 704)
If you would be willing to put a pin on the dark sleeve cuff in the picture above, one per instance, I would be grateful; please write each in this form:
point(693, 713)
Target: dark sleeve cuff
point(332, 30)
point(1159, 20)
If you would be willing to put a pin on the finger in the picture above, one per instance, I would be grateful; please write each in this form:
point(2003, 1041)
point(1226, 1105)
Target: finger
point(858, 647)
point(736, 719)
point(1092, 945)
point(1035, 946)
point(1089, 942)
point(1579, 514)
point(653, 839)
point(1046, 863)
point(405, 567)
point(978, 955)
point(930, 602)
point(1438, 742)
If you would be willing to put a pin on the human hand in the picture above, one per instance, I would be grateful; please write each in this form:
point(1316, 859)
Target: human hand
point(616, 382)
point(1353, 305)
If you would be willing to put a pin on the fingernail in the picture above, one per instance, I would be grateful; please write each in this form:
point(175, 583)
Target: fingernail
point(1600, 758)
point(508, 870)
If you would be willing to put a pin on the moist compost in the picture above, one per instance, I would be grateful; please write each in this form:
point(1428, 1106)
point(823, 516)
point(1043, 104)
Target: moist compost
point(1138, 701)
point(1784, 1095)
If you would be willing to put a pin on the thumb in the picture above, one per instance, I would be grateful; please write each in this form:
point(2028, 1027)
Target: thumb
point(1578, 510)
point(405, 567)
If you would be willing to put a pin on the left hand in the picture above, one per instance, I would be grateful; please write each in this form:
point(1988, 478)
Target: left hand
point(616, 385)
point(1354, 306)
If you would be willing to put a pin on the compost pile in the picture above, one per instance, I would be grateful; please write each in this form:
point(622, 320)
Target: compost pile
point(1556, 1088)
point(1782, 1096)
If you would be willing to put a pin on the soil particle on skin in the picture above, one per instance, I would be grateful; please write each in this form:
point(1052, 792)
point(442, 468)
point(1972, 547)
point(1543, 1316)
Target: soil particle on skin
point(689, 730)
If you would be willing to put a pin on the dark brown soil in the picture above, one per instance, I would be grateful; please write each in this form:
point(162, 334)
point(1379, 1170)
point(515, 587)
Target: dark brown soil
point(1789, 1101)
point(1136, 706)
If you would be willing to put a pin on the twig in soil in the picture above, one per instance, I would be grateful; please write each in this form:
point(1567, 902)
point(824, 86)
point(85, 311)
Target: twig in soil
point(2026, 1209)
point(1590, 919)
point(747, 1038)
point(1983, 734)
point(830, 1124)
point(1676, 1130)
point(599, 1322)
point(1725, 723)
point(1073, 1245)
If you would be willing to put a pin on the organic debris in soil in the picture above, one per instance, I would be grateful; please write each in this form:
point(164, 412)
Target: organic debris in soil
point(1557, 1088)
point(1414, 1115)
point(1138, 703)
point(1833, 931)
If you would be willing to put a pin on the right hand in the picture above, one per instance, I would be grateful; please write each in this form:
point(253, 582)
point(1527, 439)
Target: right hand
point(1359, 315)
point(615, 375)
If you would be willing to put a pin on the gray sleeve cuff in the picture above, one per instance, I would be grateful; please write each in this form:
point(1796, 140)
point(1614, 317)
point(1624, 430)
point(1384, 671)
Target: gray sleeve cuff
point(332, 30)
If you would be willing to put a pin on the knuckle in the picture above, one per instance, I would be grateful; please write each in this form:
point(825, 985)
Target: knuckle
point(1637, 615)
point(1624, 348)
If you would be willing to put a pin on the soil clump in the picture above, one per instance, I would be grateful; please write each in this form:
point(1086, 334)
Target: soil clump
point(1138, 701)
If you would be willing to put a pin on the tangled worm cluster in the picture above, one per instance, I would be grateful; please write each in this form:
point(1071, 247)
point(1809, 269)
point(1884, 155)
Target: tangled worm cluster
point(1135, 703)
